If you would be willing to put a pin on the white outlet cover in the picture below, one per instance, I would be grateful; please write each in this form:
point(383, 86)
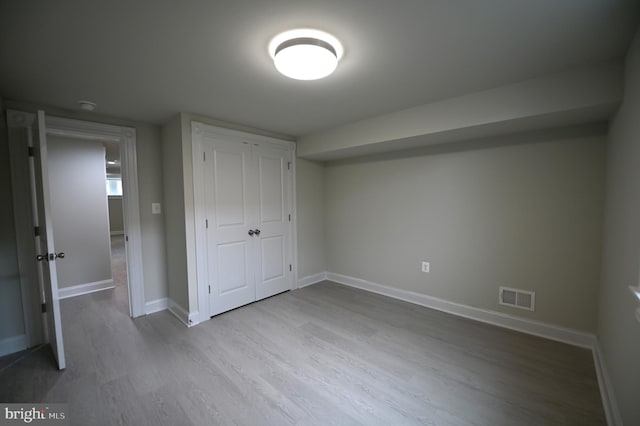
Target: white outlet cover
point(155, 208)
point(426, 267)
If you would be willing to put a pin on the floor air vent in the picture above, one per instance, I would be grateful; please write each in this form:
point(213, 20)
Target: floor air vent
point(517, 298)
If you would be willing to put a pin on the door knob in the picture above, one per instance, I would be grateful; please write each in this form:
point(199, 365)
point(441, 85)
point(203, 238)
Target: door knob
point(251, 232)
point(60, 255)
point(42, 257)
point(257, 232)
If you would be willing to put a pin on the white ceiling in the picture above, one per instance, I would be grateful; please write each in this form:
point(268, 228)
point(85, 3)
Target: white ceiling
point(146, 60)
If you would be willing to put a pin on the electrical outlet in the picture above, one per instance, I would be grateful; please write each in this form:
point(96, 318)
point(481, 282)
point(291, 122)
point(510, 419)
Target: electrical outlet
point(426, 267)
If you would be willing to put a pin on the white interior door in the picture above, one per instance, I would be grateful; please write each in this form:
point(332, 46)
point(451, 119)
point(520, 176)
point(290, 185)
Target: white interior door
point(230, 206)
point(45, 243)
point(273, 220)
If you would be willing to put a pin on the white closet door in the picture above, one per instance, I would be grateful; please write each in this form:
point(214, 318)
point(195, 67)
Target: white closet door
point(273, 260)
point(231, 207)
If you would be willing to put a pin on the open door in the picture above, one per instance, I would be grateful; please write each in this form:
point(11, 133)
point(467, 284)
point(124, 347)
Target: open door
point(45, 248)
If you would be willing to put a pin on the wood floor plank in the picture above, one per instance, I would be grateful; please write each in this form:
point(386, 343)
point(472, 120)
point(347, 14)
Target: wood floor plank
point(325, 354)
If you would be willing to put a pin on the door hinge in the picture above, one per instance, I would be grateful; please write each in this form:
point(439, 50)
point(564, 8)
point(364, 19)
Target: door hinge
point(206, 223)
point(289, 218)
point(43, 307)
point(31, 152)
point(126, 238)
point(204, 155)
point(289, 165)
point(36, 231)
point(209, 289)
point(290, 269)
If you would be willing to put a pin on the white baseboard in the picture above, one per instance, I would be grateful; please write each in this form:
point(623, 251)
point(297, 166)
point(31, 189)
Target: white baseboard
point(156, 306)
point(112, 233)
point(13, 344)
point(312, 279)
point(609, 402)
point(537, 328)
point(188, 319)
point(78, 290)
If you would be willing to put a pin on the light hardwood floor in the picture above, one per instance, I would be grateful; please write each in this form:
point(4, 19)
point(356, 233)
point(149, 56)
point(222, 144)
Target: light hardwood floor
point(325, 354)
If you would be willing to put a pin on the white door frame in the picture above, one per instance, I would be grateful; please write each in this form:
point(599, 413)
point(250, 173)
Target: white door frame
point(126, 138)
point(23, 202)
point(198, 130)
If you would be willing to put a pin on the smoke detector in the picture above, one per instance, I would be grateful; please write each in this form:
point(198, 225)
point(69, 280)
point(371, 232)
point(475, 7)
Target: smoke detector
point(87, 105)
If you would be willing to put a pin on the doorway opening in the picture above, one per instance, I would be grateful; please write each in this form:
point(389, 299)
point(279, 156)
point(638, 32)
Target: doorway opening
point(29, 133)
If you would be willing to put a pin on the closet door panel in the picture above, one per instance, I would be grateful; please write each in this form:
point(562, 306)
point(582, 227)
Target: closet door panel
point(230, 203)
point(231, 266)
point(272, 267)
point(273, 258)
point(271, 181)
point(231, 190)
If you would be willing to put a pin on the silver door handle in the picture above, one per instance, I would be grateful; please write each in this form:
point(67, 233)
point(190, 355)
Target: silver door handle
point(257, 232)
point(60, 255)
point(251, 232)
point(42, 257)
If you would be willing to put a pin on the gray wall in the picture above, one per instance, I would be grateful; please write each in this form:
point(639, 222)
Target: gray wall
point(174, 221)
point(79, 212)
point(526, 216)
point(116, 223)
point(11, 319)
point(150, 184)
point(310, 215)
point(618, 330)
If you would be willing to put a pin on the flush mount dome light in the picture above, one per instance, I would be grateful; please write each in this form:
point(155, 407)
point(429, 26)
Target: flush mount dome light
point(305, 54)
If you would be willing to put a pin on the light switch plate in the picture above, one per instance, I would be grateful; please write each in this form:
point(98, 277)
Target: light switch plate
point(155, 208)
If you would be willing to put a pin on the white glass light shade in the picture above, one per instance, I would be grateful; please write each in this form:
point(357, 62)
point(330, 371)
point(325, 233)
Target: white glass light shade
point(305, 61)
point(305, 54)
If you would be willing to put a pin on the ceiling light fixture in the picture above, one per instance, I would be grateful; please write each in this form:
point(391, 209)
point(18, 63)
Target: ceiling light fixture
point(305, 54)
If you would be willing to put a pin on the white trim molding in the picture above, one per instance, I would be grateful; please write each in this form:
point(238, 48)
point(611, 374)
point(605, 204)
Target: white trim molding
point(157, 305)
point(536, 328)
point(188, 319)
point(132, 221)
point(23, 214)
point(312, 279)
point(13, 344)
point(23, 221)
point(609, 402)
point(80, 289)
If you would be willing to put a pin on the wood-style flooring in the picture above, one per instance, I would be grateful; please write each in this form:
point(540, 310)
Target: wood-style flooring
point(325, 354)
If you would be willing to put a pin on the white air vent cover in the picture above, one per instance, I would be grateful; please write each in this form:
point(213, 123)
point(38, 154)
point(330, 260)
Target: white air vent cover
point(517, 298)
